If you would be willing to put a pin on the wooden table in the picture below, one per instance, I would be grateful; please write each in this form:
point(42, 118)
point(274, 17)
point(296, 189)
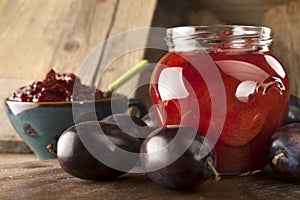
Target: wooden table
point(47, 180)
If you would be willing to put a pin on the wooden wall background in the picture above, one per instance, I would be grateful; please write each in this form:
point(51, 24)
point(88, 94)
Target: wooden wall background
point(37, 35)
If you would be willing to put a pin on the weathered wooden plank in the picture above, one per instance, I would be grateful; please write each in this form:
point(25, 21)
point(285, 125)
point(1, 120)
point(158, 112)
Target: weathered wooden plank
point(127, 31)
point(90, 22)
point(14, 146)
point(11, 158)
point(33, 180)
point(37, 35)
point(30, 32)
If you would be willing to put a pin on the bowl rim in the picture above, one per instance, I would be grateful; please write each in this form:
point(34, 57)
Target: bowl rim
point(107, 99)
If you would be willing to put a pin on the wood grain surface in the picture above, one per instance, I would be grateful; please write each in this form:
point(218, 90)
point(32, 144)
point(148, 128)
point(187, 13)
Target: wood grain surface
point(47, 180)
point(39, 35)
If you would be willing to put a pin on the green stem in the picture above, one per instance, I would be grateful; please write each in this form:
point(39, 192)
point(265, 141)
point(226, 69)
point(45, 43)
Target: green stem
point(129, 74)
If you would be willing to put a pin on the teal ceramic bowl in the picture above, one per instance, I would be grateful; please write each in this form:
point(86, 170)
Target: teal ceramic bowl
point(41, 123)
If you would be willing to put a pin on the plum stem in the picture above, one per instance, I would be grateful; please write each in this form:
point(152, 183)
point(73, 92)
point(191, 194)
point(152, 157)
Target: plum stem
point(51, 149)
point(277, 156)
point(212, 167)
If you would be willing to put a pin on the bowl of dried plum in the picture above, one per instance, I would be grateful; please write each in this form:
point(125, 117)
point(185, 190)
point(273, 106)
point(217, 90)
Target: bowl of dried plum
point(41, 111)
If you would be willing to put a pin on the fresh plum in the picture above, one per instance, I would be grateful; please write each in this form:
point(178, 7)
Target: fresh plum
point(130, 124)
point(177, 162)
point(75, 158)
point(284, 154)
point(293, 110)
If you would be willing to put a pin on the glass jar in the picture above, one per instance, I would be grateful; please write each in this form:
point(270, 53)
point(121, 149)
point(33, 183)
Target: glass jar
point(224, 81)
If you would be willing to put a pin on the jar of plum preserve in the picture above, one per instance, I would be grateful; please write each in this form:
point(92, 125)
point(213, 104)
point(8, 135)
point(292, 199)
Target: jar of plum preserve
point(224, 81)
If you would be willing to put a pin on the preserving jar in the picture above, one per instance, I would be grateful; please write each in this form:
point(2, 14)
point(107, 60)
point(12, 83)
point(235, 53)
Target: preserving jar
point(224, 81)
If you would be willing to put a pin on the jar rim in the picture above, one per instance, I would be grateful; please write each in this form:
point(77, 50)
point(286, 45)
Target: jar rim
point(239, 35)
point(248, 29)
